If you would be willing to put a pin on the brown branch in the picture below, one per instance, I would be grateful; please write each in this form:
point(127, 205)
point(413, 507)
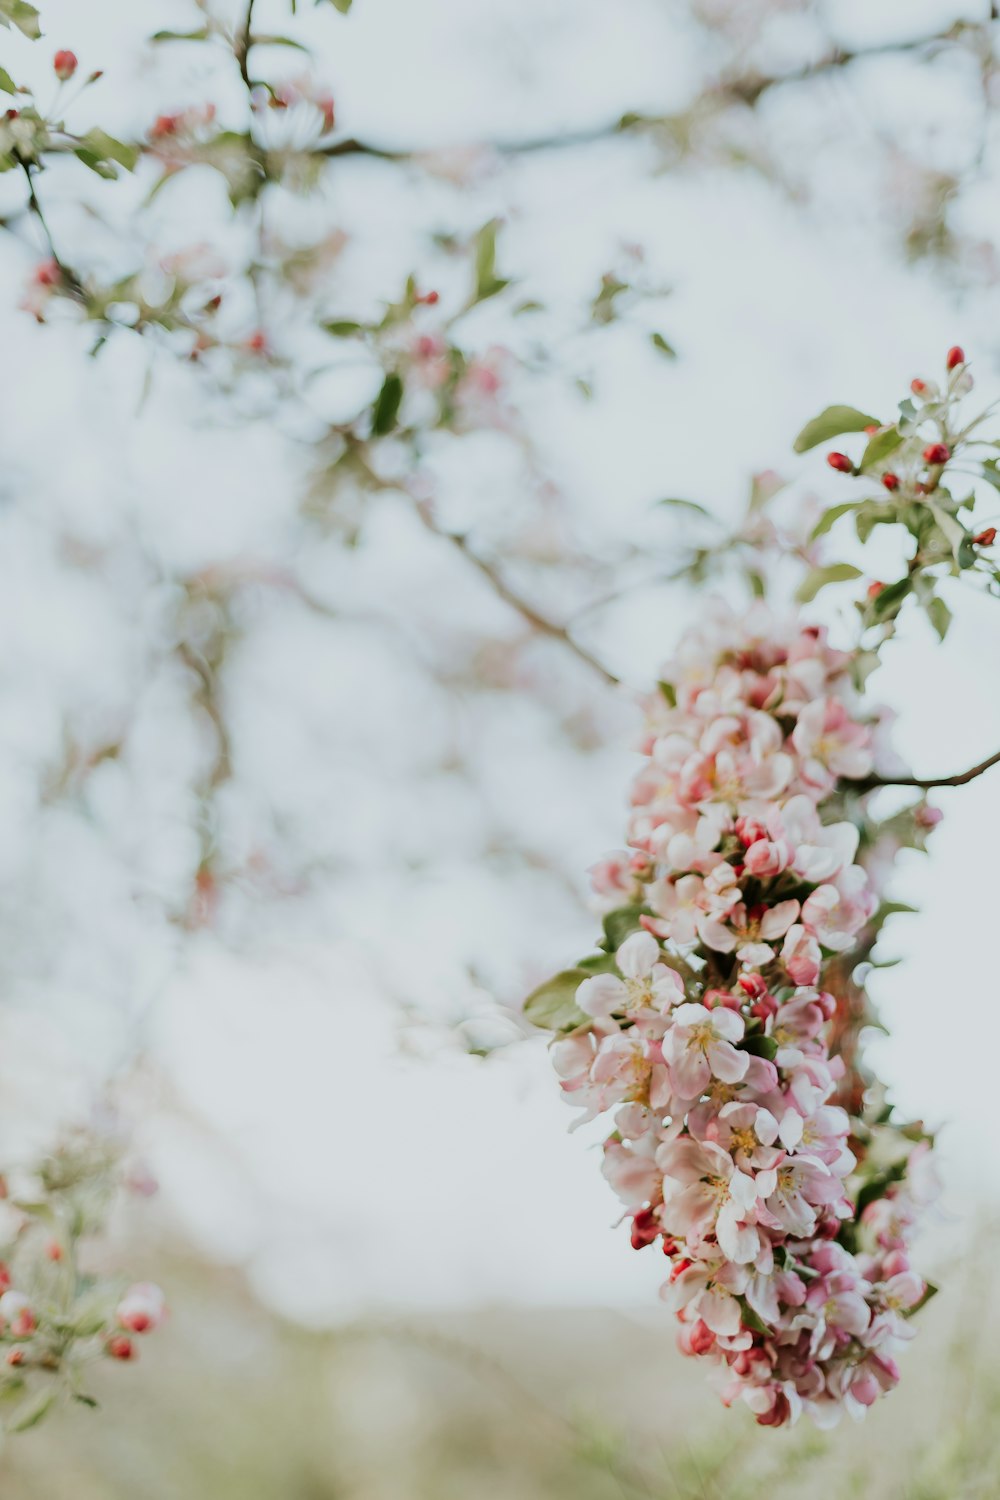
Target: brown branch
point(928, 783)
point(746, 89)
point(502, 589)
point(243, 43)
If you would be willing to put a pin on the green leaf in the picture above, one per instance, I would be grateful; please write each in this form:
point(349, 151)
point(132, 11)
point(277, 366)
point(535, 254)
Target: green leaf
point(200, 35)
point(680, 504)
point(22, 15)
point(7, 83)
point(880, 445)
point(342, 328)
point(829, 517)
point(751, 1319)
point(939, 615)
point(598, 963)
point(886, 605)
point(488, 283)
point(830, 424)
point(342, 5)
point(872, 513)
point(552, 1006)
point(760, 1046)
point(669, 692)
point(107, 148)
point(659, 342)
point(955, 534)
point(387, 404)
point(618, 924)
point(930, 1290)
point(818, 578)
point(33, 1411)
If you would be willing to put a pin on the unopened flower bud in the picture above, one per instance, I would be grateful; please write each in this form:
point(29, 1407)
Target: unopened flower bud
point(937, 453)
point(64, 65)
point(955, 357)
point(840, 462)
point(890, 481)
point(985, 538)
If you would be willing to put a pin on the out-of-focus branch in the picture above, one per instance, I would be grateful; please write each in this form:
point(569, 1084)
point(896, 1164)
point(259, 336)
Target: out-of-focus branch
point(538, 622)
point(243, 43)
point(746, 88)
point(927, 784)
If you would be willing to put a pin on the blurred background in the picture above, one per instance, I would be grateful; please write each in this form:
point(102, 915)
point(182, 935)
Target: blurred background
point(297, 803)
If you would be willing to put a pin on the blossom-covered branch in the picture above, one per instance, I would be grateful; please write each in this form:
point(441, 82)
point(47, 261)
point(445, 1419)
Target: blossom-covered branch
point(712, 1022)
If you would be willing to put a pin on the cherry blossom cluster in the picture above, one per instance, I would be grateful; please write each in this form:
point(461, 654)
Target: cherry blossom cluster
point(56, 1316)
point(708, 1026)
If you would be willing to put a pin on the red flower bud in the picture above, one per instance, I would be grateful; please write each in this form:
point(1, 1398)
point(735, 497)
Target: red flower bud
point(119, 1347)
point(890, 481)
point(937, 453)
point(15, 1356)
point(840, 462)
point(645, 1228)
point(871, 429)
point(986, 538)
point(64, 65)
point(875, 588)
point(918, 387)
point(956, 357)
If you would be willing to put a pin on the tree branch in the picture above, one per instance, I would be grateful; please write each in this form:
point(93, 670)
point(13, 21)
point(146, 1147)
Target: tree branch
point(243, 43)
point(746, 89)
point(538, 622)
point(926, 784)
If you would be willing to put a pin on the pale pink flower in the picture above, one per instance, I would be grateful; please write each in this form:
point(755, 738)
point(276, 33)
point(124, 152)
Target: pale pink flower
point(801, 955)
point(647, 988)
point(699, 1047)
point(831, 744)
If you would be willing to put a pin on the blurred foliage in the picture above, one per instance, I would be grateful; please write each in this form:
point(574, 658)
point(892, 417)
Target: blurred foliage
point(236, 1404)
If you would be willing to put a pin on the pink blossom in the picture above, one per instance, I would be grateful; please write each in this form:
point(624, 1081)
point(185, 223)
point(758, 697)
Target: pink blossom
point(700, 1046)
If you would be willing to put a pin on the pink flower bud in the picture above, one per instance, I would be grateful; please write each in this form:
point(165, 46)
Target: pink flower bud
point(64, 65)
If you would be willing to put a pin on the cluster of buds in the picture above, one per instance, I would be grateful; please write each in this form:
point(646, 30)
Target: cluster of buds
point(710, 1025)
point(57, 1318)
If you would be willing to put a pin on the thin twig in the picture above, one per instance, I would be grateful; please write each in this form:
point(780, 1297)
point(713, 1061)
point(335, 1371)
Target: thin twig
point(502, 589)
point(746, 89)
point(36, 209)
point(927, 783)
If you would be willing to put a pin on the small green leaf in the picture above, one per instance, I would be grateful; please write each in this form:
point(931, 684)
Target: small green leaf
point(618, 924)
point(886, 605)
point(880, 445)
point(680, 504)
point(552, 1006)
point(342, 5)
point(23, 16)
point(930, 1290)
point(342, 328)
point(955, 534)
point(387, 404)
point(750, 1319)
point(831, 516)
point(939, 615)
point(488, 283)
point(7, 83)
point(669, 692)
point(659, 343)
point(33, 1411)
point(830, 424)
point(760, 1046)
point(818, 578)
point(107, 148)
point(200, 35)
